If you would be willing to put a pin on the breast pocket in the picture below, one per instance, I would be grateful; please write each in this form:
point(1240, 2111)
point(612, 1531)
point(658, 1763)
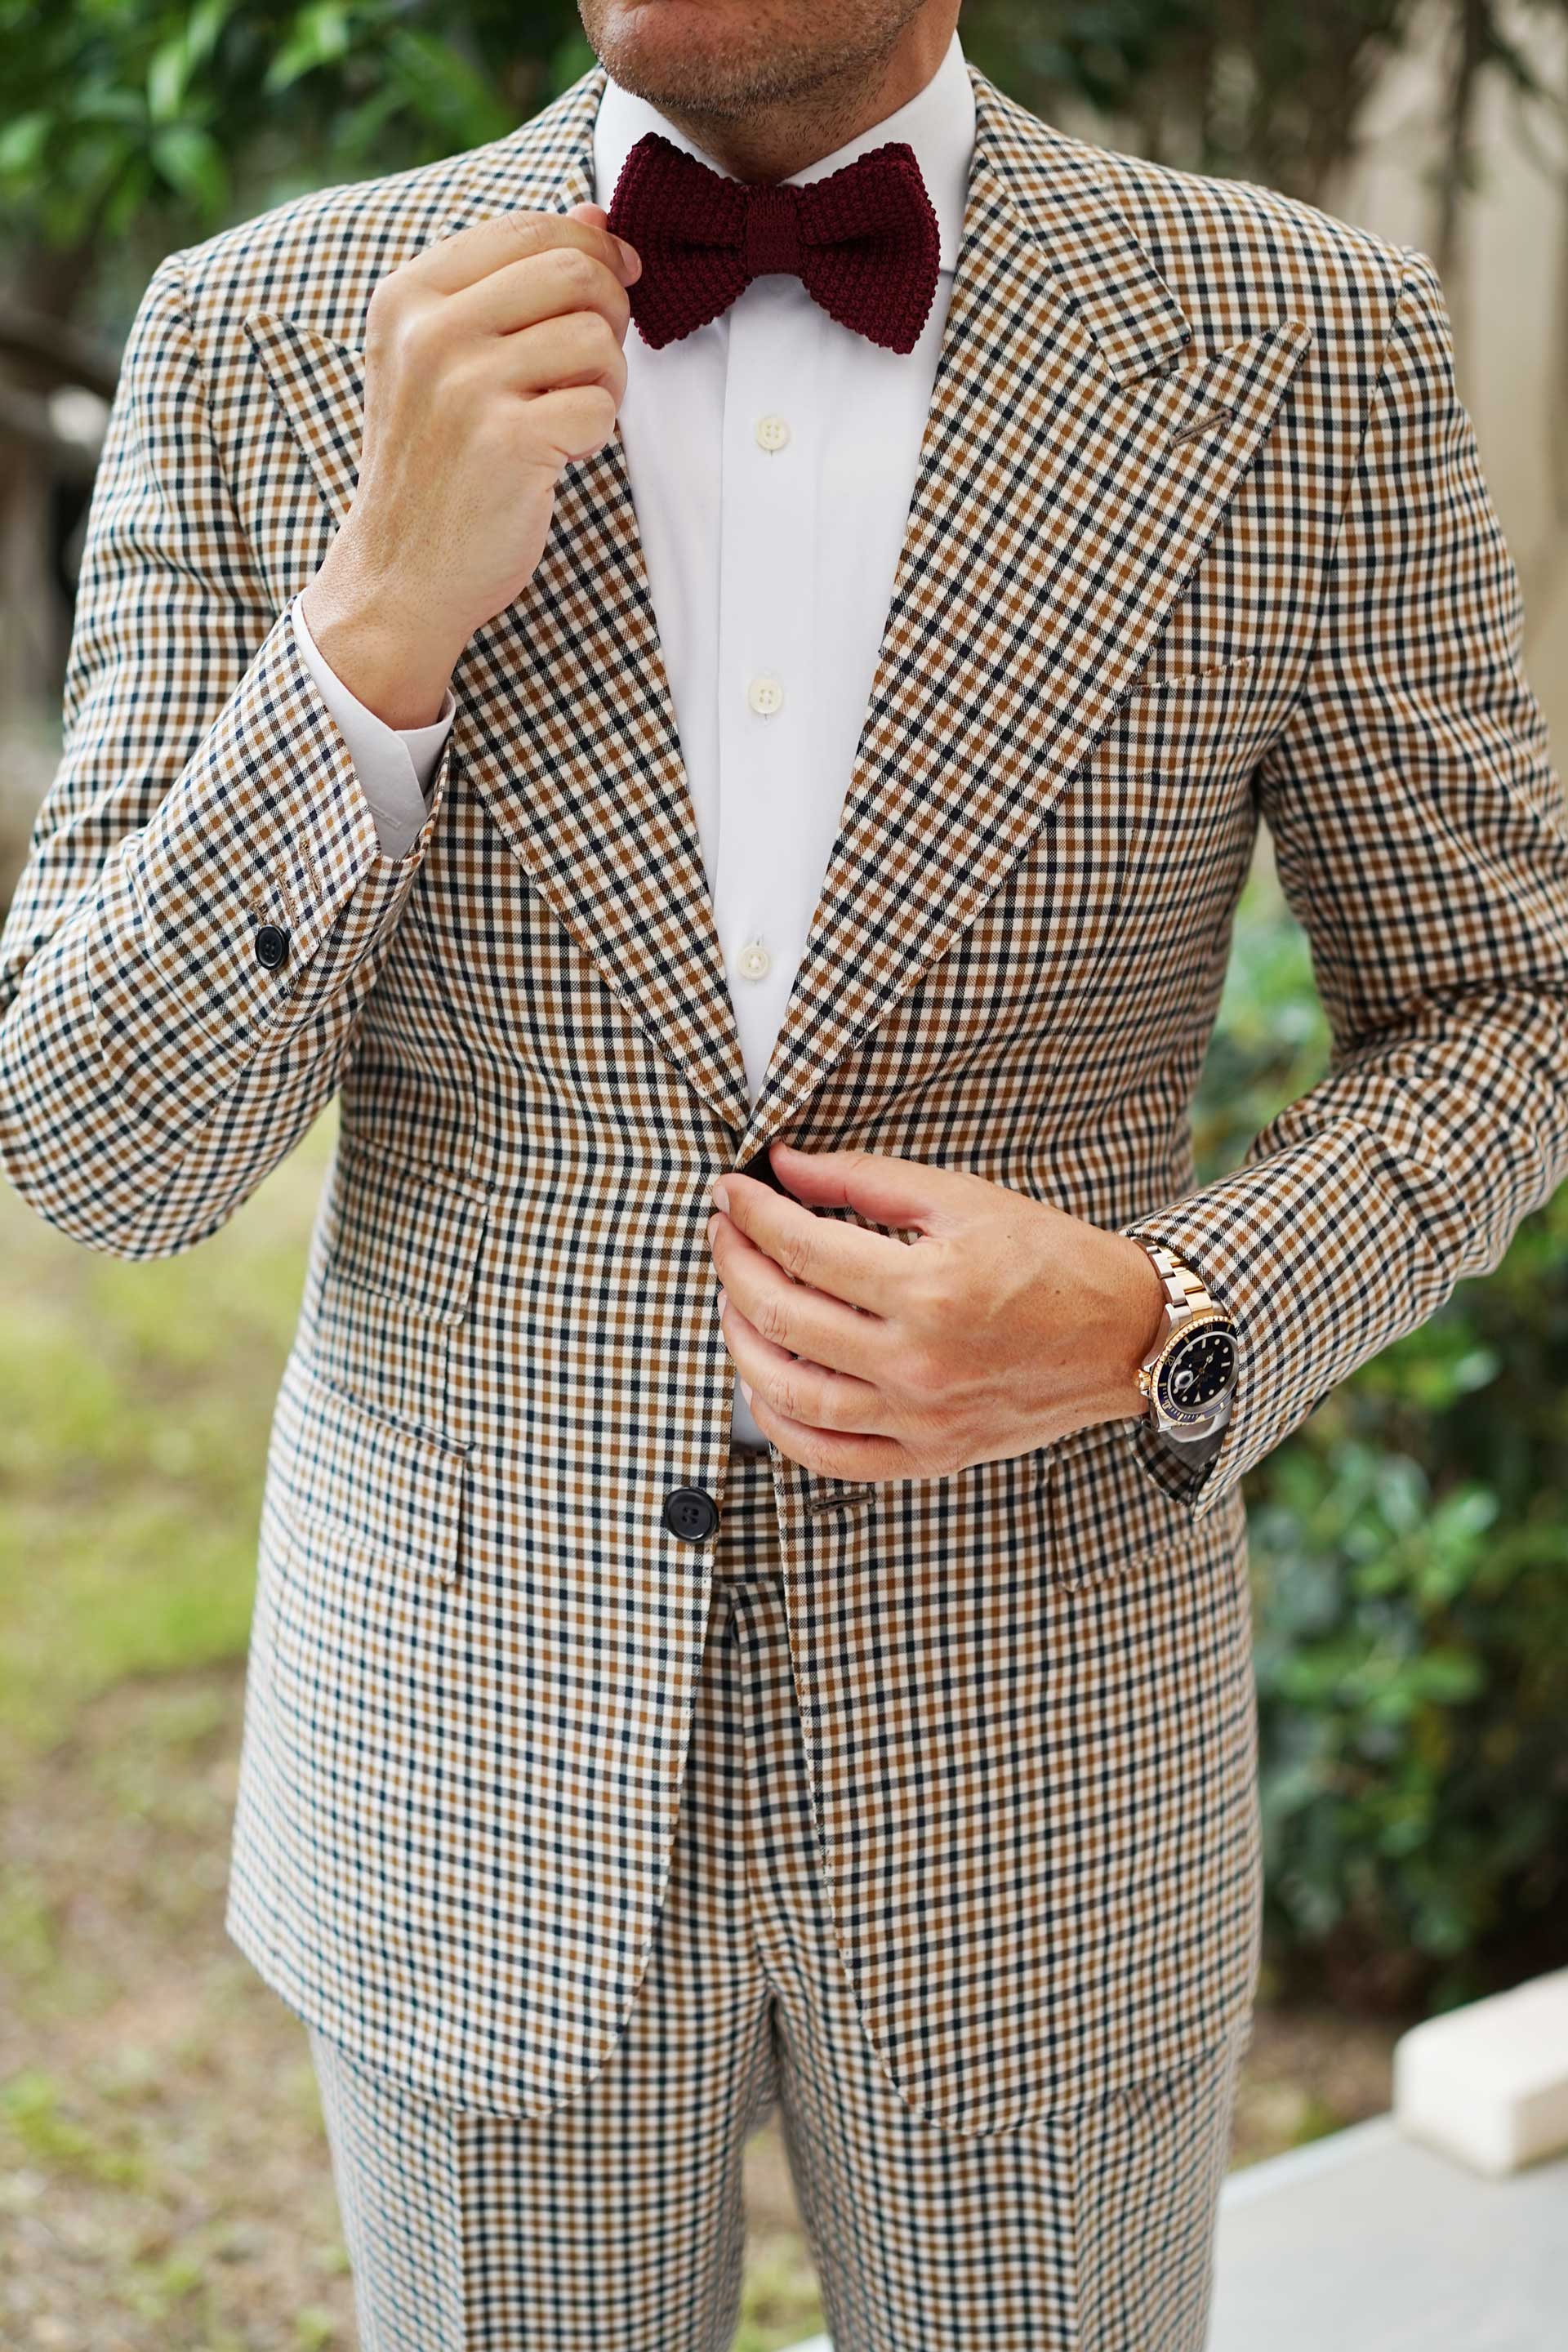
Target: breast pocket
point(1203, 728)
point(400, 1246)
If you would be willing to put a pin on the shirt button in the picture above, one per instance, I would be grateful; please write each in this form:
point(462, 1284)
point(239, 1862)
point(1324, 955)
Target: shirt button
point(771, 432)
point(765, 696)
point(754, 959)
point(271, 946)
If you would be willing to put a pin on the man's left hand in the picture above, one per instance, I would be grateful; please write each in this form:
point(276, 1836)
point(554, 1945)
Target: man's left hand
point(1001, 1326)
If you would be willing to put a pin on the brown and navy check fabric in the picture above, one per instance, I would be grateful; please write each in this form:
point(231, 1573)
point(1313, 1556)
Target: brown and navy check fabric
point(616, 2223)
point(1199, 535)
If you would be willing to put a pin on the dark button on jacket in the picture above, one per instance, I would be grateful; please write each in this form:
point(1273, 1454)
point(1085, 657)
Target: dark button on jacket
point(271, 946)
point(690, 1513)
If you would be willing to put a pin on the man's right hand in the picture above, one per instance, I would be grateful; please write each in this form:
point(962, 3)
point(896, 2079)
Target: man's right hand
point(492, 357)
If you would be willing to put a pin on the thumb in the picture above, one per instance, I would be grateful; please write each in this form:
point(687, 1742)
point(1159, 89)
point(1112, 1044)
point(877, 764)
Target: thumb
point(599, 218)
point(905, 1193)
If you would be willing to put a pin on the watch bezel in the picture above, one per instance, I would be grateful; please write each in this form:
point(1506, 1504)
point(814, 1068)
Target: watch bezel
point(1190, 1416)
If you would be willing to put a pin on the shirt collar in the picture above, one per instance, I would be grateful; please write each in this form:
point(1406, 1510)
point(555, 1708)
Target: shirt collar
point(938, 122)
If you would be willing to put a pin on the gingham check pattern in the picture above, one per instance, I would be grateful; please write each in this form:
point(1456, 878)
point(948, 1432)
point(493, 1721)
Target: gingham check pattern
point(615, 2223)
point(1199, 529)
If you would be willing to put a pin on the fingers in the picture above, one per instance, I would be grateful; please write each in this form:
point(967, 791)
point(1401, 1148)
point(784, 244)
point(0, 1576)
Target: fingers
point(558, 355)
point(455, 262)
point(552, 284)
point(790, 1315)
point(903, 1193)
point(869, 1270)
point(800, 1389)
point(832, 1454)
point(574, 422)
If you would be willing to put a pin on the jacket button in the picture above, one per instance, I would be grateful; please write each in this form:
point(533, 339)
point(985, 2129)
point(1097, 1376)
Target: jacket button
point(690, 1513)
point(271, 946)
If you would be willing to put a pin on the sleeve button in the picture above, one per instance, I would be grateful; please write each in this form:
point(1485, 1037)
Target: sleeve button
point(271, 946)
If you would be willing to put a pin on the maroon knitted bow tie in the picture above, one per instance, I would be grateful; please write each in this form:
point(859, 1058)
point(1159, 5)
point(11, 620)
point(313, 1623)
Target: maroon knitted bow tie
point(863, 241)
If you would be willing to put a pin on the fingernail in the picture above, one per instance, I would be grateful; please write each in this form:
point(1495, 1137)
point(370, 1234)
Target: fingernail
point(722, 1197)
point(746, 1391)
point(723, 1300)
point(633, 258)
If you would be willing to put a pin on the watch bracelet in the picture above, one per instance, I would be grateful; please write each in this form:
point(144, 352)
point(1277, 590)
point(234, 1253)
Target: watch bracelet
point(1185, 1292)
point(1183, 1286)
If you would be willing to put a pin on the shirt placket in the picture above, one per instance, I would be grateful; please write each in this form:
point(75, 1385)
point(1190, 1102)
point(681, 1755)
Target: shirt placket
point(768, 541)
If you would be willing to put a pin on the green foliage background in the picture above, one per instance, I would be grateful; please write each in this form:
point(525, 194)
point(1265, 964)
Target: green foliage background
point(1411, 1543)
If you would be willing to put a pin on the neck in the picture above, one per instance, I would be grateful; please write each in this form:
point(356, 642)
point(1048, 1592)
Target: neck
point(772, 141)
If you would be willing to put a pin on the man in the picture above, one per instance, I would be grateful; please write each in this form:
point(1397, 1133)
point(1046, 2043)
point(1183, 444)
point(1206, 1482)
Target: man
point(711, 668)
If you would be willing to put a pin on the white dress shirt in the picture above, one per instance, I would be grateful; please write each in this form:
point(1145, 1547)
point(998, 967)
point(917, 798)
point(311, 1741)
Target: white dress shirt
point(772, 456)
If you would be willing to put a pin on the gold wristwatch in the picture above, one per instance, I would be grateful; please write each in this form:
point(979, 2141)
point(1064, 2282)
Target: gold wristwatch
point(1190, 1373)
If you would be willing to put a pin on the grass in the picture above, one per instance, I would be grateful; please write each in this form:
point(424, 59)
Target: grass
point(135, 1405)
point(163, 2175)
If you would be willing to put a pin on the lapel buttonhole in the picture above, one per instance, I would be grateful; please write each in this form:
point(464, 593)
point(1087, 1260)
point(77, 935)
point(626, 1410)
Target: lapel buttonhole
point(1222, 414)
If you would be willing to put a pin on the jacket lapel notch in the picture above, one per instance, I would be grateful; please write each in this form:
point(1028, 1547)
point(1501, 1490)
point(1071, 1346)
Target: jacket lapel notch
point(320, 386)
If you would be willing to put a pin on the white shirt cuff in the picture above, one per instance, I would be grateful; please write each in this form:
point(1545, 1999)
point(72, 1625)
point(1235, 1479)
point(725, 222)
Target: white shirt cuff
point(394, 766)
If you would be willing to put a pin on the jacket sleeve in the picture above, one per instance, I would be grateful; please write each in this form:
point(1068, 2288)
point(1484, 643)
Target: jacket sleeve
point(1418, 829)
point(153, 1068)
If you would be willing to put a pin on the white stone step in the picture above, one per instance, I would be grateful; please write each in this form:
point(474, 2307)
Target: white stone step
point(1488, 2083)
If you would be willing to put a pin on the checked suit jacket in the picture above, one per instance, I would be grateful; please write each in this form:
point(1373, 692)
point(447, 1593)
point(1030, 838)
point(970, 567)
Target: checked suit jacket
point(1199, 535)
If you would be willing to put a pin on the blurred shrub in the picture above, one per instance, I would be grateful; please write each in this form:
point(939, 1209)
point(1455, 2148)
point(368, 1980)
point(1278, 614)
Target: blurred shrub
point(118, 113)
point(1410, 1548)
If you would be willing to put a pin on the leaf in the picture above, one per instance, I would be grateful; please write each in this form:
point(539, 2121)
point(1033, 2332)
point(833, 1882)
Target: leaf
point(206, 29)
point(127, 196)
point(192, 163)
point(22, 142)
point(321, 38)
point(447, 87)
point(166, 79)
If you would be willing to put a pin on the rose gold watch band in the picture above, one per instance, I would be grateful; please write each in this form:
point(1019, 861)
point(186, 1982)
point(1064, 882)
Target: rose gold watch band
point(1182, 1287)
point(1187, 1302)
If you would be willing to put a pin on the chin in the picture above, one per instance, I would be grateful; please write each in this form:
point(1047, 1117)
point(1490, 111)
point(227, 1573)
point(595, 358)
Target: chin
point(709, 54)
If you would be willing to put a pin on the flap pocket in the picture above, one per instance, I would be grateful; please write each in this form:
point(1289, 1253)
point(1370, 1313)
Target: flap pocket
point(375, 1492)
point(1104, 1512)
point(406, 1229)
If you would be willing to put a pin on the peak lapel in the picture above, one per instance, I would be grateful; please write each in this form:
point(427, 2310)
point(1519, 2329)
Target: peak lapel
point(1075, 465)
point(565, 724)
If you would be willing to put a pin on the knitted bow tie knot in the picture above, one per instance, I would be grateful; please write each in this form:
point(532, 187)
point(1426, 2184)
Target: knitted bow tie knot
point(863, 241)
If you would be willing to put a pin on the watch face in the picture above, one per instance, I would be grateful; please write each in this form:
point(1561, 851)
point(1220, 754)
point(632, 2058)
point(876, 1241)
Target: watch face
point(1197, 1371)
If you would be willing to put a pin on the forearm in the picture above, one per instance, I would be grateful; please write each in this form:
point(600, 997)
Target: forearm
point(154, 1067)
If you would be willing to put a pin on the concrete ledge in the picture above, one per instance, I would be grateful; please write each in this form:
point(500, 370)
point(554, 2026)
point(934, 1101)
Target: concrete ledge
point(1488, 2083)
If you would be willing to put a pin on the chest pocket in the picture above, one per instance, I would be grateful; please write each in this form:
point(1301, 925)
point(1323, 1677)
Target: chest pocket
point(1184, 743)
point(402, 1243)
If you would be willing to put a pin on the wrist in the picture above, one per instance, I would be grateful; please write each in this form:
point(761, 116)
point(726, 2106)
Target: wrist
point(388, 655)
point(1136, 1325)
point(1148, 1318)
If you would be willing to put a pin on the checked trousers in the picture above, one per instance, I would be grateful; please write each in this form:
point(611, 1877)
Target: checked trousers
point(615, 2223)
